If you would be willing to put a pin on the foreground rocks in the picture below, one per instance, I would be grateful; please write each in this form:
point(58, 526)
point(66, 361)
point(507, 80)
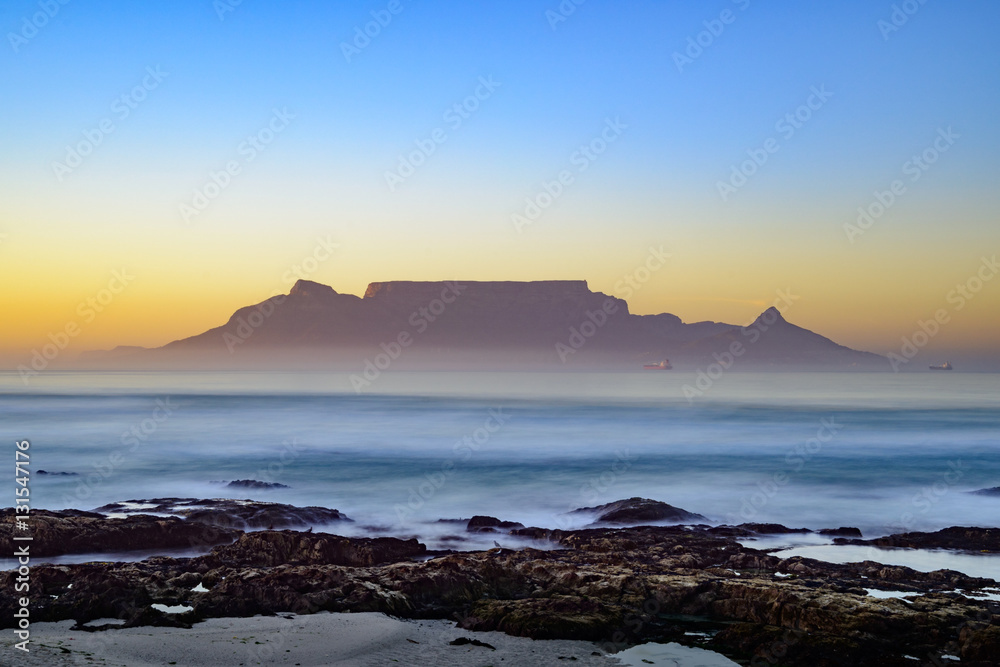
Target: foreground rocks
point(614, 586)
point(638, 511)
point(986, 540)
point(224, 512)
point(163, 524)
point(269, 548)
point(74, 531)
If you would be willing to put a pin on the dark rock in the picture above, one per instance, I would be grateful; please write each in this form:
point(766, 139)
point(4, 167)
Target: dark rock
point(637, 511)
point(956, 537)
point(465, 641)
point(538, 533)
point(74, 531)
point(64, 474)
point(237, 514)
point(619, 586)
point(268, 548)
point(843, 531)
point(556, 617)
point(995, 491)
point(772, 529)
point(254, 484)
point(489, 524)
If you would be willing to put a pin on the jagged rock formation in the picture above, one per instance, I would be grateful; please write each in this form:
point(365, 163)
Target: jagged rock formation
point(981, 540)
point(74, 531)
point(254, 484)
point(238, 514)
point(615, 586)
point(639, 511)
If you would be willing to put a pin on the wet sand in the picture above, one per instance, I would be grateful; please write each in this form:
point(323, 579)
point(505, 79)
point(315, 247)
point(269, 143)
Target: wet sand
point(360, 639)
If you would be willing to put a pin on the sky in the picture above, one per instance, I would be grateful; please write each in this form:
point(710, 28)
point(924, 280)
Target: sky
point(164, 163)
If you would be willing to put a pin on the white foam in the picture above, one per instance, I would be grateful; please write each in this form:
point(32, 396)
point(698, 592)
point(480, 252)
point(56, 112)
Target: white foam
point(885, 595)
point(984, 594)
point(176, 609)
point(129, 505)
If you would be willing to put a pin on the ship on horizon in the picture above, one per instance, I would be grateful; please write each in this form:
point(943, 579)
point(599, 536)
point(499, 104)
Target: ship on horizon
point(946, 366)
point(661, 366)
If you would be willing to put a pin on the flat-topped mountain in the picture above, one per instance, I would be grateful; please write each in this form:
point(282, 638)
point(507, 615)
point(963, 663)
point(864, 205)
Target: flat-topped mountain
point(448, 324)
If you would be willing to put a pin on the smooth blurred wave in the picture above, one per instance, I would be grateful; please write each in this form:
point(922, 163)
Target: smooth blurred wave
point(883, 453)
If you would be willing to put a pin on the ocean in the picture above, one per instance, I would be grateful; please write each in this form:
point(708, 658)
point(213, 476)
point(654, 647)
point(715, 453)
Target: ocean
point(879, 451)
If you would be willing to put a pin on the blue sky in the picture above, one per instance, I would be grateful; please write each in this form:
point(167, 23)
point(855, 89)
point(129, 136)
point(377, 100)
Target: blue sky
point(557, 87)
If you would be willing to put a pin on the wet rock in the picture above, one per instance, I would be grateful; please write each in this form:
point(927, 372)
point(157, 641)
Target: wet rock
point(72, 531)
point(268, 548)
point(611, 585)
point(562, 617)
point(772, 529)
point(254, 484)
point(956, 537)
point(534, 533)
point(843, 531)
point(637, 511)
point(465, 641)
point(489, 524)
point(237, 514)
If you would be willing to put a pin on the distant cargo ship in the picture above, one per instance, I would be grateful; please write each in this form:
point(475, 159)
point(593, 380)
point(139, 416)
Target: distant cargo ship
point(946, 366)
point(662, 366)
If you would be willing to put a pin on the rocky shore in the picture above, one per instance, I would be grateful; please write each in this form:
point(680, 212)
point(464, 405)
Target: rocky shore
point(616, 585)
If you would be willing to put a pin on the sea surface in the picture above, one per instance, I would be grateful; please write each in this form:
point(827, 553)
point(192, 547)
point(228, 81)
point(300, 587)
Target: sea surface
point(883, 452)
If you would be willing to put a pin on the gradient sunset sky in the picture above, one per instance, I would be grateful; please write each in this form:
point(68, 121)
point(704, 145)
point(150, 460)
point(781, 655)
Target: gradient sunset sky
point(209, 75)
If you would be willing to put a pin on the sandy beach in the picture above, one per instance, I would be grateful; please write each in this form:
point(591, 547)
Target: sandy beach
point(360, 639)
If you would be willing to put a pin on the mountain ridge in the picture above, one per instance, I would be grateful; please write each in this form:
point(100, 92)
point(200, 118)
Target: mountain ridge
point(558, 323)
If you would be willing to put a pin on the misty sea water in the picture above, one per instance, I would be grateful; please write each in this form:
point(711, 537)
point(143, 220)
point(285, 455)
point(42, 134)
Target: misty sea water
point(882, 452)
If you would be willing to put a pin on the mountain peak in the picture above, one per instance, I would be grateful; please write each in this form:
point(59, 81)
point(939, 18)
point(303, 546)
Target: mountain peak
point(310, 288)
point(770, 317)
